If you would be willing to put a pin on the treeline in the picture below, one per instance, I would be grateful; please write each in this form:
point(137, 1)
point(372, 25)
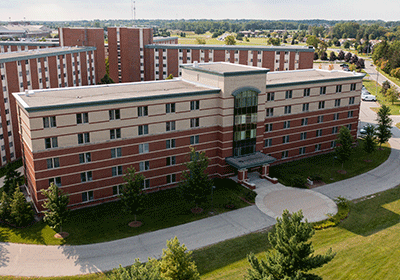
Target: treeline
point(387, 57)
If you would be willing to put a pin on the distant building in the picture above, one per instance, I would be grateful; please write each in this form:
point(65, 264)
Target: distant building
point(23, 30)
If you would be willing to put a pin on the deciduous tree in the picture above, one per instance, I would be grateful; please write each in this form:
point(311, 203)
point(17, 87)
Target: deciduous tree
point(392, 94)
point(230, 40)
point(56, 204)
point(292, 256)
point(344, 147)
point(133, 195)
point(147, 271)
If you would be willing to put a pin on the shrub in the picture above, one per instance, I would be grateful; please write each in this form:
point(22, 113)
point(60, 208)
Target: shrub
point(315, 177)
point(299, 182)
point(334, 220)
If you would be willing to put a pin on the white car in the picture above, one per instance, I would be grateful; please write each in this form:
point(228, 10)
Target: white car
point(368, 97)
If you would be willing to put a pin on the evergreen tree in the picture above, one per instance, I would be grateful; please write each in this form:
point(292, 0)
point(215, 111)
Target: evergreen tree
point(147, 271)
point(11, 180)
point(383, 131)
point(292, 256)
point(369, 139)
point(5, 202)
point(106, 80)
point(56, 204)
point(347, 57)
point(195, 184)
point(21, 213)
point(324, 56)
point(344, 147)
point(332, 56)
point(341, 55)
point(176, 262)
point(133, 196)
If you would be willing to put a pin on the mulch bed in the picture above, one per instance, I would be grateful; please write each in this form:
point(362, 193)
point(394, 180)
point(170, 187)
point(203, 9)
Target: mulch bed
point(135, 224)
point(196, 210)
point(62, 235)
point(342, 171)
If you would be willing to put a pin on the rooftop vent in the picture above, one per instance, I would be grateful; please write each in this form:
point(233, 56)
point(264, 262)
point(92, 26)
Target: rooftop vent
point(29, 92)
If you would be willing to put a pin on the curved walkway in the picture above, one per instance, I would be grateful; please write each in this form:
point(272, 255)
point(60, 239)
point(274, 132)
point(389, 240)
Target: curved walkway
point(38, 260)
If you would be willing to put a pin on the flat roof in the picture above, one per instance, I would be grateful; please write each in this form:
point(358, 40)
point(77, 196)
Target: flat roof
point(38, 53)
point(29, 43)
point(231, 47)
point(224, 68)
point(62, 98)
point(250, 160)
point(163, 39)
point(296, 77)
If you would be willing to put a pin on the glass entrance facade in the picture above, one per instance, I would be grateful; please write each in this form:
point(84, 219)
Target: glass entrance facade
point(245, 123)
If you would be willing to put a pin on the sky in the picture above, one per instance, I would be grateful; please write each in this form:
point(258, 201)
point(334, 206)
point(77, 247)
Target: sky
point(63, 10)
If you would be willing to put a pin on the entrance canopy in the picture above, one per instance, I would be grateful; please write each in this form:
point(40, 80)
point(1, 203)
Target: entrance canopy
point(249, 161)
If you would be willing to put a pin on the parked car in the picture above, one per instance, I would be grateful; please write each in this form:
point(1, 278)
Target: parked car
point(344, 65)
point(363, 131)
point(368, 97)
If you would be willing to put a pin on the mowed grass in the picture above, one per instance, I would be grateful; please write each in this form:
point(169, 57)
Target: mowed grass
point(326, 167)
point(191, 39)
point(366, 244)
point(109, 221)
point(371, 87)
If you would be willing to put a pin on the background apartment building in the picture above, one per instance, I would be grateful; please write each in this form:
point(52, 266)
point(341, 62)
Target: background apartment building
point(37, 68)
point(83, 139)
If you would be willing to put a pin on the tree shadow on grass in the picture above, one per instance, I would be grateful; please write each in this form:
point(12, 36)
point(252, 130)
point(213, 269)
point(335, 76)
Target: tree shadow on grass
point(32, 233)
point(369, 216)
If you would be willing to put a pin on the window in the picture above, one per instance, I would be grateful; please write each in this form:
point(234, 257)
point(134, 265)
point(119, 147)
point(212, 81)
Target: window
point(333, 144)
point(318, 147)
point(270, 96)
point(85, 158)
point(269, 112)
point(303, 136)
point(319, 133)
point(56, 181)
point(53, 163)
point(288, 94)
point(302, 151)
point(286, 124)
point(268, 142)
point(144, 165)
point(321, 105)
point(320, 119)
point(82, 118)
point(306, 92)
point(118, 189)
point(171, 178)
point(195, 122)
point(352, 87)
point(51, 142)
point(288, 109)
point(116, 152)
point(335, 116)
point(171, 161)
point(115, 133)
point(116, 171)
point(285, 154)
point(195, 105)
point(334, 130)
point(337, 102)
point(146, 183)
point(170, 126)
point(304, 121)
point(268, 127)
point(339, 88)
point(143, 129)
point(351, 100)
point(114, 114)
point(87, 196)
point(171, 143)
point(170, 108)
point(349, 126)
point(143, 111)
point(306, 107)
point(86, 176)
point(194, 139)
point(143, 148)
point(350, 114)
point(49, 122)
point(83, 138)
point(322, 90)
point(285, 139)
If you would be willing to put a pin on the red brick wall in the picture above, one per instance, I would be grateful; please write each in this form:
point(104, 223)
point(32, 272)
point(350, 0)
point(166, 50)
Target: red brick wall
point(306, 60)
point(292, 56)
point(112, 53)
point(172, 58)
point(269, 60)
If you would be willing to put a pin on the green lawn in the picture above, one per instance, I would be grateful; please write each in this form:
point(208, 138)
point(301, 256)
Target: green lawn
point(108, 221)
point(325, 167)
point(393, 79)
point(366, 244)
point(371, 87)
